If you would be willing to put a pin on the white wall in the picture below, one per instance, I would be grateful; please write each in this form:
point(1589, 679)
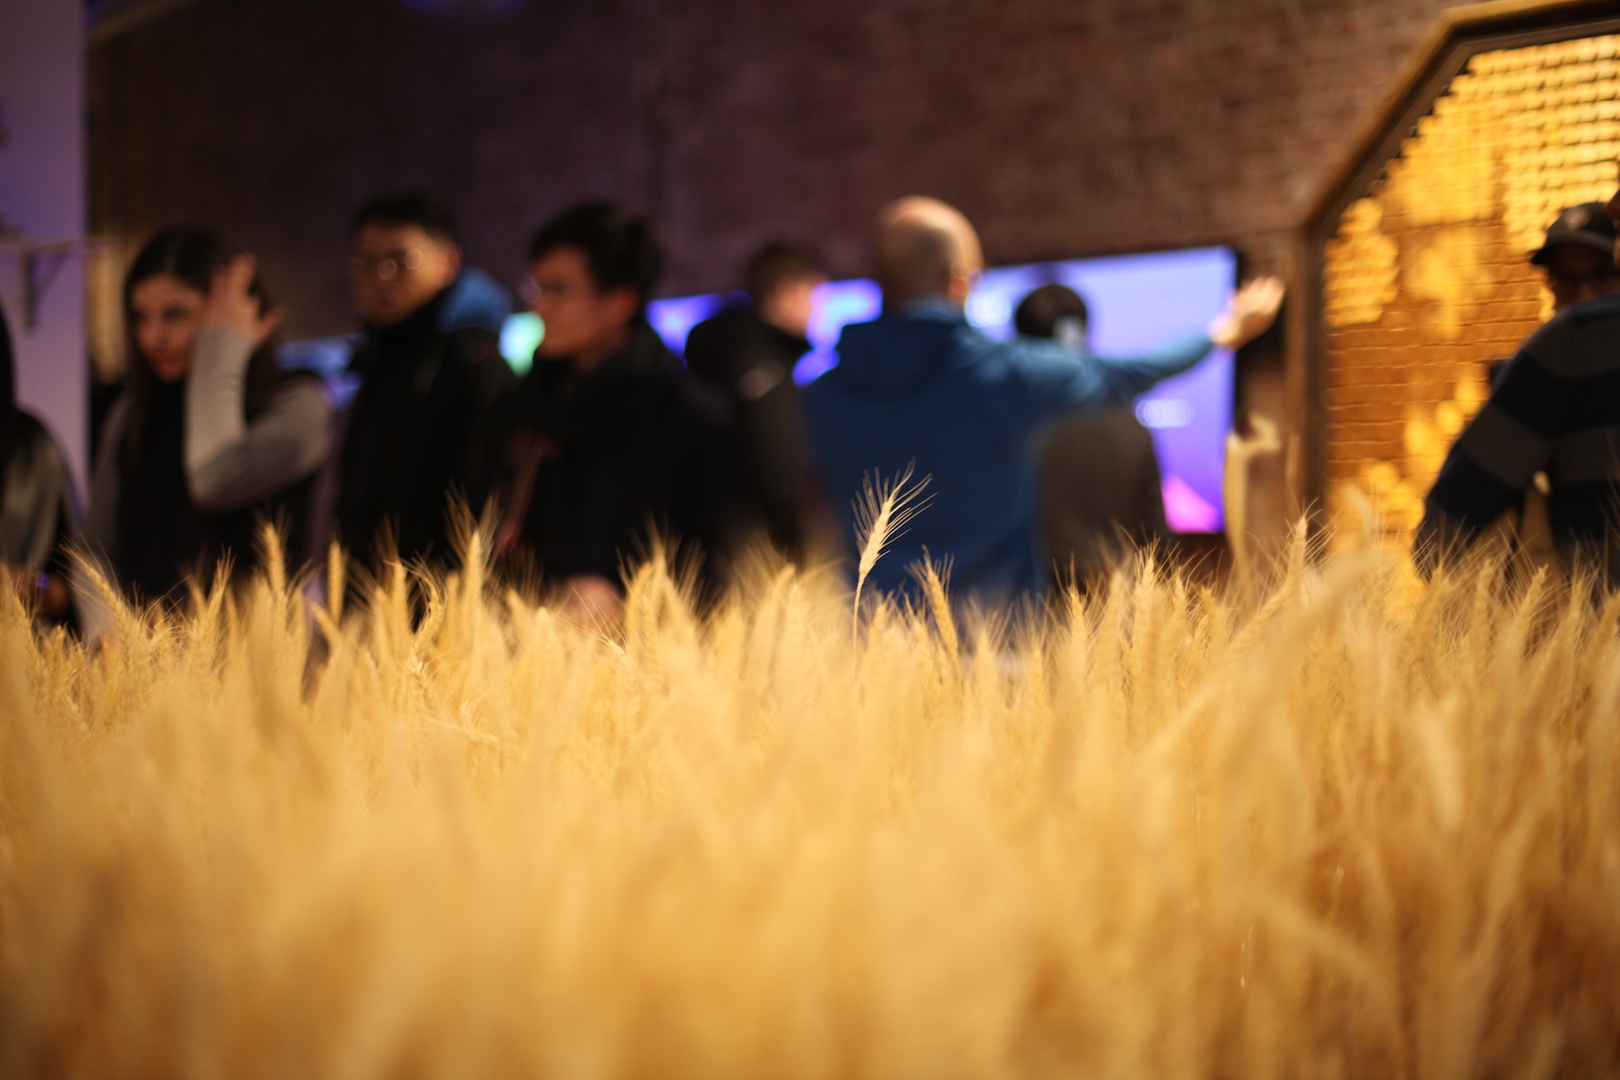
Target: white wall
point(42, 192)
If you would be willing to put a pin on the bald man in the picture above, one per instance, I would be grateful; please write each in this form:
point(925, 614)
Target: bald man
point(919, 384)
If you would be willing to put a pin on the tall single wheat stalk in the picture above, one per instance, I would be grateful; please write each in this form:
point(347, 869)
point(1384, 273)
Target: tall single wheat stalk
point(881, 512)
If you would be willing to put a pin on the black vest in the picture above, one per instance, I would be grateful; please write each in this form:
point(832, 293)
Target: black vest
point(163, 537)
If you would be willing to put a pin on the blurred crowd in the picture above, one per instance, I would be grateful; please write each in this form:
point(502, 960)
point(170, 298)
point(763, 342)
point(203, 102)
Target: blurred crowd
point(610, 447)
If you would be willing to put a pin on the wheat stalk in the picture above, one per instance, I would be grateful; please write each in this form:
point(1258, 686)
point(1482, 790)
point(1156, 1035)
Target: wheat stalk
point(882, 510)
point(1344, 828)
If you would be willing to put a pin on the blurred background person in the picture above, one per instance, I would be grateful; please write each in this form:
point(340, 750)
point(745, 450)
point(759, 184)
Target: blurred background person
point(1547, 441)
point(37, 514)
point(1578, 256)
point(210, 435)
point(748, 351)
point(1101, 496)
point(607, 443)
point(430, 370)
point(921, 385)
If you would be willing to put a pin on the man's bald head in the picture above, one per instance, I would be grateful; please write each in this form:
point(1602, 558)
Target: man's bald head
point(926, 250)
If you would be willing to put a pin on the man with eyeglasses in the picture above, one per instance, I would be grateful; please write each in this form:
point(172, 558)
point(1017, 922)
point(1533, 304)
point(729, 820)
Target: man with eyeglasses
point(1554, 410)
point(429, 368)
point(607, 447)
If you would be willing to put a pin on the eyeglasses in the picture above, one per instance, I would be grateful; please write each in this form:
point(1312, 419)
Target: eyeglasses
point(1596, 278)
point(385, 267)
point(531, 290)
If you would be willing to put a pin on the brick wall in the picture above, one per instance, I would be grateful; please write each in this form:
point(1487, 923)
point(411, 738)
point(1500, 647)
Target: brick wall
point(1062, 129)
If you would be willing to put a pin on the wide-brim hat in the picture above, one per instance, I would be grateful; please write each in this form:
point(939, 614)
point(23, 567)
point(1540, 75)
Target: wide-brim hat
point(1587, 224)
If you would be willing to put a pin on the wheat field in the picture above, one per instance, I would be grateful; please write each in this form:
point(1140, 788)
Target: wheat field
point(1341, 828)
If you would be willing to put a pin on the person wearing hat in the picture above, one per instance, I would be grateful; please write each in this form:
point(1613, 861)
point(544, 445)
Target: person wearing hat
point(1578, 256)
point(1554, 410)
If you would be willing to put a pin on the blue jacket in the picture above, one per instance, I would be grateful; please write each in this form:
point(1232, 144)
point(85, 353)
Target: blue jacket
point(924, 386)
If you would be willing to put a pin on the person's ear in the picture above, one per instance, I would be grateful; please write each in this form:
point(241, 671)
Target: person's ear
point(623, 304)
point(452, 259)
point(960, 284)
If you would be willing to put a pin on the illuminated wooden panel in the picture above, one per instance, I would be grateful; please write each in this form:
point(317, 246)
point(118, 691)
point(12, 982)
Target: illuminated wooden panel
point(1427, 280)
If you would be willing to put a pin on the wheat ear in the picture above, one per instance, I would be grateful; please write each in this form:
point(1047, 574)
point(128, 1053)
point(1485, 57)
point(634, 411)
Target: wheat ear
point(933, 577)
point(881, 511)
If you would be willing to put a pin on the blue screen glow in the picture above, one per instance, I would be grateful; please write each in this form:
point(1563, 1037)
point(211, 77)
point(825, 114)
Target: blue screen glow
point(520, 336)
point(1139, 303)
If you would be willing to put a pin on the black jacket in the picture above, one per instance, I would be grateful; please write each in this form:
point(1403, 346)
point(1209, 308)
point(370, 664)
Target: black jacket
point(752, 362)
point(1102, 497)
point(413, 435)
point(592, 468)
point(158, 541)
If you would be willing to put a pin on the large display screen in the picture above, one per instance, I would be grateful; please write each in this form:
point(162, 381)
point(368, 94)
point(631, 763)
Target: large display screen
point(1137, 303)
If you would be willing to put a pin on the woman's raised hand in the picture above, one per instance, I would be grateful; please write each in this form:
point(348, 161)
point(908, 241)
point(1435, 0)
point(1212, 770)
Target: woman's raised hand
point(229, 304)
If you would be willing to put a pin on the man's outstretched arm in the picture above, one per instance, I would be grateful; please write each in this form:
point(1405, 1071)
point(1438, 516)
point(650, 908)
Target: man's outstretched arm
point(1064, 380)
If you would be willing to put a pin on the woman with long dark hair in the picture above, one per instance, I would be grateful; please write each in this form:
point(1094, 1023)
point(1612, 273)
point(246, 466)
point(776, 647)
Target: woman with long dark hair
point(37, 517)
point(210, 435)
